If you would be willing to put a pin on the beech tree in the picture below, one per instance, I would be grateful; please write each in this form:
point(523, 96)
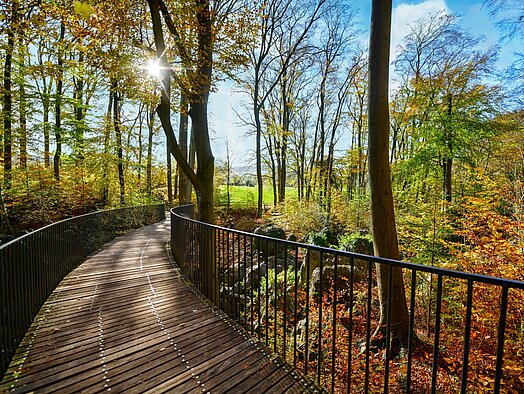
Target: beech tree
point(448, 102)
point(385, 242)
point(195, 48)
point(265, 58)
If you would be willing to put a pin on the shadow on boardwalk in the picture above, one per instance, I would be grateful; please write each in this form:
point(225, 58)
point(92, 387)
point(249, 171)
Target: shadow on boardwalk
point(126, 321)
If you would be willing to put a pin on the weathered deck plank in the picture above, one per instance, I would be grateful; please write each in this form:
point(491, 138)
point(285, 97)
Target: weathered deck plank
point(126, 321)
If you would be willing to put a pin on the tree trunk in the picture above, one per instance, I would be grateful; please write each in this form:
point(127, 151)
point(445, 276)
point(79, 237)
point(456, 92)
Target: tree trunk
point(58, 108)
point(140, 143)
point(203, 179)
point(183, 182)
point(286, 115)
point(23, 108)
point(107, 135)
point(260, 181)
point(205, 161)
point(382, 212)
point(79, 113)
point(169, 178)
point(45, 97)
point(117, 106)
point(447, 163)
point(46, 127)
point(149, 158)
point(7, 112)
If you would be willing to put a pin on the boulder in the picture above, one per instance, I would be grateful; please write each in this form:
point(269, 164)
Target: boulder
point(247, 226)
point(328, 279)
point(264, 245)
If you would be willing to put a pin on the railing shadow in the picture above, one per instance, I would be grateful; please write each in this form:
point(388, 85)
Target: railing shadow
point(318, 308)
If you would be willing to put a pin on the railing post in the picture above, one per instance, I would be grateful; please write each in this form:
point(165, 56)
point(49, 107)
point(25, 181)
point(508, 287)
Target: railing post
point(209, 264)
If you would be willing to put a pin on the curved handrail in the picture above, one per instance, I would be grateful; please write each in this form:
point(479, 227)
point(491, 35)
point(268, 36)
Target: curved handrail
point(32, 265)
point(363, 257)
point(275, 289)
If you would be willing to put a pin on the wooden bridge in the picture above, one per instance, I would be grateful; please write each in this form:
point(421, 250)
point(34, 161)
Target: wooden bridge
point(117, 315)
point(127, 321)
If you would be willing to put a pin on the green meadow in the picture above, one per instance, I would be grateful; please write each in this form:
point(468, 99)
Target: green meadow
point(246, 196)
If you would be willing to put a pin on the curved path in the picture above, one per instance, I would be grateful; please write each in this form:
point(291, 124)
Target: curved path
point(127, 321)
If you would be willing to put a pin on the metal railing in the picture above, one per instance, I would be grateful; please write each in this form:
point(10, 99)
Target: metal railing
point(317, 307)
point(33, 265)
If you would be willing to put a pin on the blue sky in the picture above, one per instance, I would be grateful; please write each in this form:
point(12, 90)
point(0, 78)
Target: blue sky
point(475, 18)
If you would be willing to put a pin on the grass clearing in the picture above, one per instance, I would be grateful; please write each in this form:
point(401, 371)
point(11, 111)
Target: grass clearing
point(246, 196)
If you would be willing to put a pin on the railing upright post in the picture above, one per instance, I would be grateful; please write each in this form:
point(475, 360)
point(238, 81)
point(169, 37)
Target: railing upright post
point(210, 270)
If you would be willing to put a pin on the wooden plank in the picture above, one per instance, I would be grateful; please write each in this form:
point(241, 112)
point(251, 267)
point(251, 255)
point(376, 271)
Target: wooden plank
point(61, 352)
point(124, 364)
point(224, 370)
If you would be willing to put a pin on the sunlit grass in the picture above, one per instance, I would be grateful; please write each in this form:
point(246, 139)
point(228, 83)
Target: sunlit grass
point(246, 196)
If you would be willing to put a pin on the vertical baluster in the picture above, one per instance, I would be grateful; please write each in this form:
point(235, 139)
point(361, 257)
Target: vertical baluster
point(334, 324)
point(219, 267)
point(388, 329)
point(284, 308)
point(500, 340)
point(232, 283)
point(438, 309)
point(244, 282)
point(266, 242)
point(350, 323)
point(251, 283)
point(295, 317)
point(320, 304)
point(228, 287)
point(368, 327)
point(411, 328)
point(275, 307)
point(259, 285)
point(307, 314)
point(224, 270)
point(467, 333)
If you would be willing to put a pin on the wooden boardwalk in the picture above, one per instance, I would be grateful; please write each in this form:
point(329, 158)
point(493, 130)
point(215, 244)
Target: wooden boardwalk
point(126, 321)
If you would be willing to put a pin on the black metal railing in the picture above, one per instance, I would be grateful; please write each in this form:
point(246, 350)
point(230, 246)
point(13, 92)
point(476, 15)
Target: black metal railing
point(33, 265)
point(318, 308)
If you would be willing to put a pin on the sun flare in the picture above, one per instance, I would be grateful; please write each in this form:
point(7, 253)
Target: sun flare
point(153, 68)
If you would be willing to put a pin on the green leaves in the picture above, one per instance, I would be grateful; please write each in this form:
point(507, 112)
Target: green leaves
point(83, 9)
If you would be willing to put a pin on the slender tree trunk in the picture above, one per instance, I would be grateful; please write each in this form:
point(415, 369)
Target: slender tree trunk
point(192, 163)
point(140, 144)
point(117, 124)
point(45, 97)
point(286, 115)
point(107, 135)
point(46, 127)
point(228, 177)
point(169, 178)
point(302, 163)
point(58, 107)
point(79, 113)
point(273, 167)
point(23, 108)
point(183, 181)
point(260, 181)
point(149, 159)
point(382, 212)
point(58, 124)
point(7, 112)
point(447, 165)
